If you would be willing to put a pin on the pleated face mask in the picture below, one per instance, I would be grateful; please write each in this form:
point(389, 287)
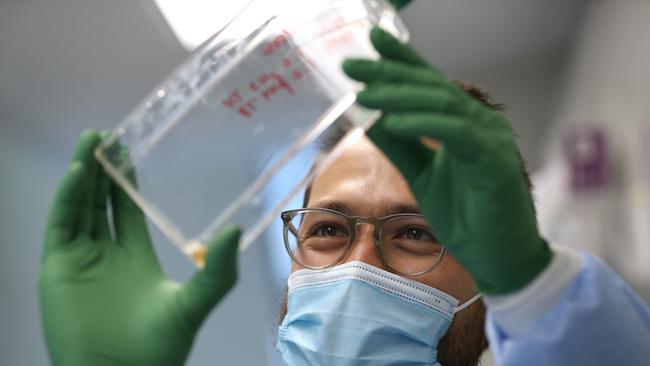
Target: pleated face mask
point(358, 314)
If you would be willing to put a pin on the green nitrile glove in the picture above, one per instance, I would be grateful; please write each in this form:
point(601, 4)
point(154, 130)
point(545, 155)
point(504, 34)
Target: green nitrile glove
point(472, 189)
point(105, 301)
point(398, 4)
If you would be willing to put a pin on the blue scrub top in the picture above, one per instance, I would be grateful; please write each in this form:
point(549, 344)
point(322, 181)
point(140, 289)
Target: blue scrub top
point(598, 321)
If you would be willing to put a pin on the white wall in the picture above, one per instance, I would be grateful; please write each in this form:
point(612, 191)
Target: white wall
point(607, 85)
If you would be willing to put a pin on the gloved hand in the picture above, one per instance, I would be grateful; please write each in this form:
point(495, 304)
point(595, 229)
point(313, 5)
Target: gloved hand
point(399, 4)
point(472, 189)
point(104, 300)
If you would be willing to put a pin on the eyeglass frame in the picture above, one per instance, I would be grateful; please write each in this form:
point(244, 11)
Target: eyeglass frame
point(353, 222)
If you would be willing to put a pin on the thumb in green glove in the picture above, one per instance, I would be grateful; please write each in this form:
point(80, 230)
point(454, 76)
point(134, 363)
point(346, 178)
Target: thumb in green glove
point(473, 188)
point(105, 300)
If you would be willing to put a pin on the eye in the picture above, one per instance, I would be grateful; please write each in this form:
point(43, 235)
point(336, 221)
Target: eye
point(329, 230)
point(416, 234)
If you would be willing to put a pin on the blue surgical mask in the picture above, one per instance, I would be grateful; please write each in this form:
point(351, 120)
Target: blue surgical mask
point(358, 314)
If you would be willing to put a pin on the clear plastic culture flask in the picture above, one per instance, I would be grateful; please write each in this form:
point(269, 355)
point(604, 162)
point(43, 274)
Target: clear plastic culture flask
point(262, 97)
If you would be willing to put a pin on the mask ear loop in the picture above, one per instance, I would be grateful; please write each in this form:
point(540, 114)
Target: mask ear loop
point(468, 302)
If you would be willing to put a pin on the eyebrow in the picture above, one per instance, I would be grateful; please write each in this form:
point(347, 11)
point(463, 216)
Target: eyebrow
point(400, 208)
point(347, 209)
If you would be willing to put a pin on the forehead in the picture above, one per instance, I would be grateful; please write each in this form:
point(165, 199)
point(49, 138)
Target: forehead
point(364, 181)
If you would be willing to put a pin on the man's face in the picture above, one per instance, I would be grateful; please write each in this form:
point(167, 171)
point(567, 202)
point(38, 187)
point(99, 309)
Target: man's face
point(364, 182)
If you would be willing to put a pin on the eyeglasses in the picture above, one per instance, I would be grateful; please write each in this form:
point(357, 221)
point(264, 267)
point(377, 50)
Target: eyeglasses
point(318, 238)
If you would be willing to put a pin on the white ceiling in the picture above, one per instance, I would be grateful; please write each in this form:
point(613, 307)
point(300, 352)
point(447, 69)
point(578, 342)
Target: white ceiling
point(488, 35)
point(70, 64)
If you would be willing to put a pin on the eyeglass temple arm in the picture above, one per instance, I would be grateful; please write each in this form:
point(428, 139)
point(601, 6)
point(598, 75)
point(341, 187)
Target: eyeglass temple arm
point(293, 229)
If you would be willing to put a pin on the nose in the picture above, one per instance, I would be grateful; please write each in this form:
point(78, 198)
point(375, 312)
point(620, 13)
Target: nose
point(363, 247)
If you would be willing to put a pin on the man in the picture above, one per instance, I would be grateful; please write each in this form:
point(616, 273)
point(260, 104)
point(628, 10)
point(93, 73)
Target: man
point(105, 300)
point(362, 182)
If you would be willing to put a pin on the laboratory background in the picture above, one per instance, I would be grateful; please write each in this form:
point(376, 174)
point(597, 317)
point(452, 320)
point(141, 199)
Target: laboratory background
point(573, 74)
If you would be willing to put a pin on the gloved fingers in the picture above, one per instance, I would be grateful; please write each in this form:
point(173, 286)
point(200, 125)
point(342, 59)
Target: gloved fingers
point(128, 219)
point(406, 153)
point(70, 211)
point(130, 225)
point(90, 202)
point(100, 228)
point(67, 209)
point(399, 4)
point(389, 71)
point(408, 97)
point(85, 147)
point(391, 48)
point(456, 133)
point(210, 284)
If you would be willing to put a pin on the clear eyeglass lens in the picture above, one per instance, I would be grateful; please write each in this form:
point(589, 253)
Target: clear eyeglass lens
point(318, 239)
point(408, 245)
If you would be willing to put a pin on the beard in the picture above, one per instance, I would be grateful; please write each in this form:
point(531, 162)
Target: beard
point(462, 345)
point(465, 341)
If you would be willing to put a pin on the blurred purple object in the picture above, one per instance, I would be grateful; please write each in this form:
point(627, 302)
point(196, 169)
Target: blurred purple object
point(586, 155)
